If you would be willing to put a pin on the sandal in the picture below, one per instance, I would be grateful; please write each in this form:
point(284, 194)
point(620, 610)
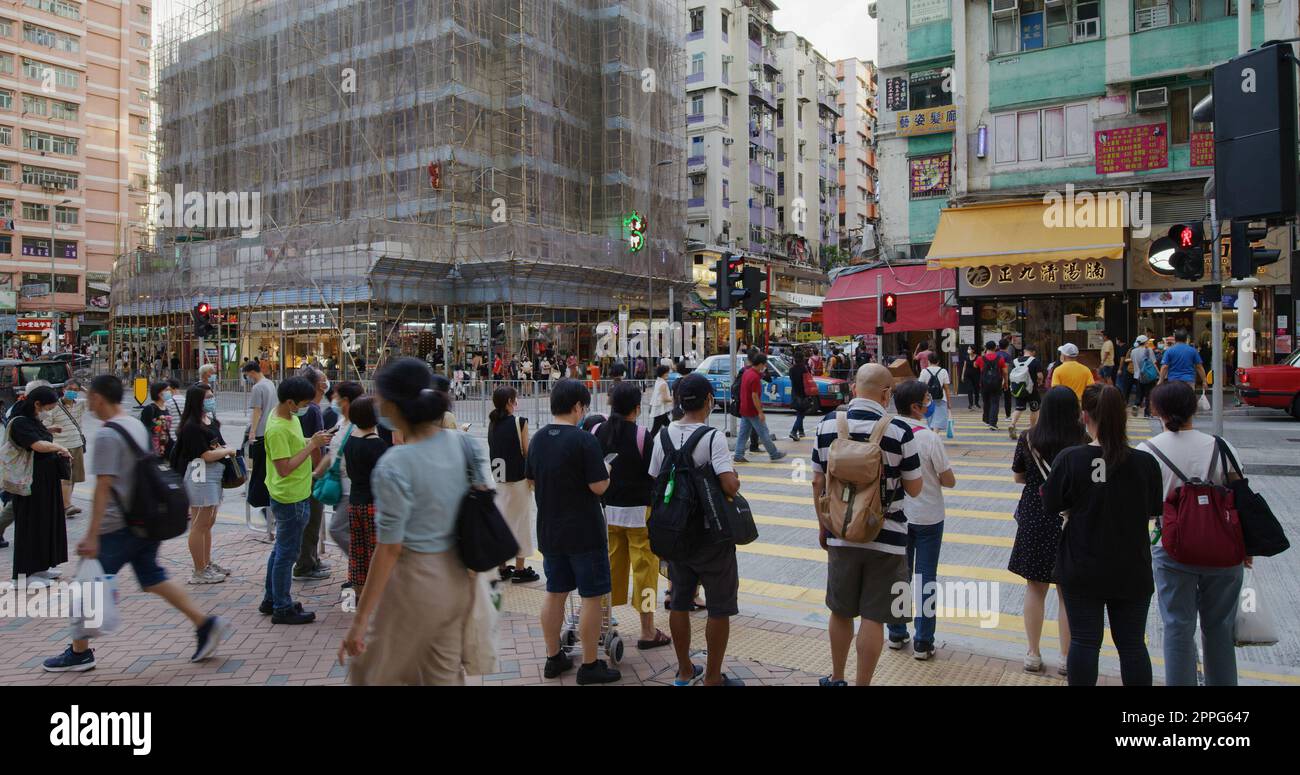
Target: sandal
point(699, 671)
point(660, 639)
point(524, 576)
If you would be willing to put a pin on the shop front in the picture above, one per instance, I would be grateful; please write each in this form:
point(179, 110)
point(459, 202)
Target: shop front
point(1022, 280)
point(925, 305)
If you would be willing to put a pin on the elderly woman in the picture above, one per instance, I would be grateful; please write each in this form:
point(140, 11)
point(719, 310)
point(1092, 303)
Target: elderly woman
point(40, 532)
point(64, 422)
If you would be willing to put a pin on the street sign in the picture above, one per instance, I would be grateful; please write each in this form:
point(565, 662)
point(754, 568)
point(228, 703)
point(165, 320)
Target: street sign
point(35, 289)
point(294, 319)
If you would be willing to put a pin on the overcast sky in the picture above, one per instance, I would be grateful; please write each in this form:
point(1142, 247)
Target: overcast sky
point(839, 29)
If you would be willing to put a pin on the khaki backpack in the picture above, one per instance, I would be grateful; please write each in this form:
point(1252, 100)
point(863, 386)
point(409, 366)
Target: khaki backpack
point(851, 506)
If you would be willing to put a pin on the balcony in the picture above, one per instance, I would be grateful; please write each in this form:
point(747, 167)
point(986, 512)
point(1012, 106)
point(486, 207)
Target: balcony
point(695, 161)
point(690, 36)
point(769, 177)
point(755, 173)
point(695, 118)
point(767, 140)
point(755, 52)
point(695, 201)
point(695, 77)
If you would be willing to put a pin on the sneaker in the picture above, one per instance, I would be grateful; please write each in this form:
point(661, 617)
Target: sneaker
point(51, 573)
point(597, 673)
point(524, 576)
point(207, 576)
point(219, 569)
point(311, 575)
point(267, 608)
point(793, 437)
point(324, 566)
point(1033, 663)
point(740, 460)
point(210, 634)
point(70, 662)
point(778, 456)
point(1060, 669)
point(293, 615)
point(72, 511)
point(560, 663)
point(923, 651)
point(826, 681)
point(897, 644)
point(1012, 432)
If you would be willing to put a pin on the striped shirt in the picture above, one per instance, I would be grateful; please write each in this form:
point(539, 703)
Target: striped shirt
point(901, 458)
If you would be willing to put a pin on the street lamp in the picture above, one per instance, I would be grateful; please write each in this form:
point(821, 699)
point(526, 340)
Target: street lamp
point(54, 321)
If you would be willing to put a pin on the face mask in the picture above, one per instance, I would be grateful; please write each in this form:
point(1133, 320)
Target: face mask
point(210, 405)
point(302, 411)
point(327, 387)
point(166, 395)
point(336, 406)
point(71, 395)
point(386, 423)
point(212, 380)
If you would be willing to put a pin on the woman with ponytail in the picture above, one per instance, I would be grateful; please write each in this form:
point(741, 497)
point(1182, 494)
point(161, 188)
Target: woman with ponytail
point(418, 591)
point(627, 503)
point(508, 451)
point(1107, 493)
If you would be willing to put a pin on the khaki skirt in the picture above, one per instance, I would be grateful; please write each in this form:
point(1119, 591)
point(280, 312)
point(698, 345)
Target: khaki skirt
point(78, 465)
point(416, 636)
point(515, 502)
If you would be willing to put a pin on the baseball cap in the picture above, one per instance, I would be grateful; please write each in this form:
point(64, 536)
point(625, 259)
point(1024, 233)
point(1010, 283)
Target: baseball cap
point(693, 391)
point(1142, 339)
point(1069, 350)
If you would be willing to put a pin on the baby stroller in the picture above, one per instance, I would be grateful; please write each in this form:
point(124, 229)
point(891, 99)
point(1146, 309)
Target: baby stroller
point(610, 640)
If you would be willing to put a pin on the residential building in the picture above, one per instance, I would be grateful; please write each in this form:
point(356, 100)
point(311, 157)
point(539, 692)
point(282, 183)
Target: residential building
point(856, 150)
point(74, 157)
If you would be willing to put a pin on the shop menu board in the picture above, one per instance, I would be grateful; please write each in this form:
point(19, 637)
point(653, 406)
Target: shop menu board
point(1202, 149)
point(1132, 148)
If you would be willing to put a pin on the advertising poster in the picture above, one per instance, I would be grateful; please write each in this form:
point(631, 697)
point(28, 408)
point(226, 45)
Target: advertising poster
point(1132, 148)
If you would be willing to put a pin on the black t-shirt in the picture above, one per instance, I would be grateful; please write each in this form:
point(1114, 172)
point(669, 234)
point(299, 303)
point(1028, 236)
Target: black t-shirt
point(360, 455)
point(1105, 549)
point(629, 478)
point(796, 380)
point(312, 421)
point(562, 461)
point(504, 445)
point(193, 440)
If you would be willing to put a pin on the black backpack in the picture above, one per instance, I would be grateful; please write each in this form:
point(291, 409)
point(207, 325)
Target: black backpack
point(936, 389)
point(686, 504)
point(733, 405)
point(990, 373)
point(159, 508)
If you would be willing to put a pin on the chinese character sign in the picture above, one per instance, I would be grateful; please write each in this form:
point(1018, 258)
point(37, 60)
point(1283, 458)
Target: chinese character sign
point(1202, 149)
point(929, 175)
point(1086, 274)
point(1132, 148)
point(896, 94)
point(927, 121)
point(1031, 31)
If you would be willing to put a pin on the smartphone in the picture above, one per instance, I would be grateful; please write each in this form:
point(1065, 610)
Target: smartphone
point(610, 457)
point(464, 428)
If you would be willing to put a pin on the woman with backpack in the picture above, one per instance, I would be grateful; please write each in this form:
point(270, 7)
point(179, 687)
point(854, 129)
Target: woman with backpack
point(1146, 373)
point(1033, 554)
point(939, 385)
point(507, 435)
point(627, 503)
point(1109, 493)
point(199, 453)
point(1184, 592)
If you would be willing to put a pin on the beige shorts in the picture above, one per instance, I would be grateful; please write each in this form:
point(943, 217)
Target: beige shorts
point(78, 465)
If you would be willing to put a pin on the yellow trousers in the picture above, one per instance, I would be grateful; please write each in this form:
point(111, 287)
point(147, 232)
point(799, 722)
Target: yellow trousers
point(629, 550)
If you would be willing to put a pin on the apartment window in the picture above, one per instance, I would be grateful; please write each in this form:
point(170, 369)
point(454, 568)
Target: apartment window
point(64, 111)
point(143, 96)
point(140, 181)
point(697, 19)
point(66, 283)
point(697, 64)
point(6, 64)
point(6, 244)
point(726, 107)
point(697, 104)
point(6, 99)
point(144, 12)
point(34, 211)
point(63, 283)
point(697, 145)
point(1042, 135)
point(142, 40)
point(726, 22)
point(64, 8)
point(697, 187)
point(36, 106)
point(6, 135)
point(6, 28)
point(69, 216)
point(43, 36)
point(1034, 24)
point(1181, 103)
point(50, 143)
point(142, 69)
point(46, 176)
point(6, 206)
point(66, 249)
point(36, 71)
point(141, 124)
point(7, 175)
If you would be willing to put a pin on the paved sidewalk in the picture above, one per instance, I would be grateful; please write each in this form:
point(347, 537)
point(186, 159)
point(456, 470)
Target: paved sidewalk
point(154, 642)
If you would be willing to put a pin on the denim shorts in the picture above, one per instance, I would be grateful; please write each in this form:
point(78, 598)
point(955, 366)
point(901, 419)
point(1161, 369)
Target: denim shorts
point(122, 547)
point(587, 572)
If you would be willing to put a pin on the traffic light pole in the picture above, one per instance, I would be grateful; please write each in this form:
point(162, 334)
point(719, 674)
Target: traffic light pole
point(731, 348)
point(1216, 322)
point(880, 330)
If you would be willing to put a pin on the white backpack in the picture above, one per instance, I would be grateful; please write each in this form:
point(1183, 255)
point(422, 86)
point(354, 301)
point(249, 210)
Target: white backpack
point(1021, 381)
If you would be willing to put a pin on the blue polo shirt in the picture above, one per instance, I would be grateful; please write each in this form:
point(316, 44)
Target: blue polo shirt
point(1182, 360)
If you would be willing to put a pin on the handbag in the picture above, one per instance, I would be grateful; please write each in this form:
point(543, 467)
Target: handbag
point(17, 465)
point(1262, 533)
point(329, 488)
point(740, 520)
point(234, 471)
point(483, 539)
point(1255, 625)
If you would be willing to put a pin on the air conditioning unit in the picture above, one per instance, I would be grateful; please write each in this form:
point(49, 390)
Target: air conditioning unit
point(871, 10)
point(1005, 7)
point(728, 140)
point(1152, 99)
point(728, 58)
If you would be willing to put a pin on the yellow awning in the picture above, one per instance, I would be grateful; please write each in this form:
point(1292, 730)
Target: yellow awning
point(1026, 233)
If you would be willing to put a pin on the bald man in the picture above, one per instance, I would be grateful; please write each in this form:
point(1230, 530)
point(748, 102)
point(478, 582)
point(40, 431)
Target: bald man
point(869, 580)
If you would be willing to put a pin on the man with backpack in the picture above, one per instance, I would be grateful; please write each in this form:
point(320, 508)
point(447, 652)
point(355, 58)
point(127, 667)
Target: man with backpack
point(118, 446)
point(867, 579)
point(1026, 386)
point(1145, 373)
point(993, 380)
point(688, 448)
point(752, 419)
point(939, 385)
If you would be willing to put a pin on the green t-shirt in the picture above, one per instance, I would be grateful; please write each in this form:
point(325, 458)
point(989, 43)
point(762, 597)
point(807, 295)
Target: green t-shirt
point(284, 440)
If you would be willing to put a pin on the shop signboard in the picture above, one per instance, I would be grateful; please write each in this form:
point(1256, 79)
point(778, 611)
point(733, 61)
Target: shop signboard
point(1081, 275)
point(1132, 148)
point(896, 93)
point(1202, 149)
point(1157, 299)
point(926, 11)
point(305, 319)
point(927, 121)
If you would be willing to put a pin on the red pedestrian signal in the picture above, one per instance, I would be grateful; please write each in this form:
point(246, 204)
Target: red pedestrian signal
point(890, 312)
point(1186, 238)
point(435, 175)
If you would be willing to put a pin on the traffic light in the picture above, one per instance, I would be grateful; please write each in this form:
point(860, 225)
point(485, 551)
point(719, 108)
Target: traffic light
point(1245, 258)
point(635, 225)
point(753, 280)
point(1255, 166)
point(889, 312)
point(203, 326)
point(727, 274)
point(435, 175)
point(1188, 259)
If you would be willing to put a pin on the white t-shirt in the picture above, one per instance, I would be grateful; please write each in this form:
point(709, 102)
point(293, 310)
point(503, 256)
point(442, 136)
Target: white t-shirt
point(927, 508)
point(940, 373)
point(1192, 452)
point(662, 400)
point(712, 448)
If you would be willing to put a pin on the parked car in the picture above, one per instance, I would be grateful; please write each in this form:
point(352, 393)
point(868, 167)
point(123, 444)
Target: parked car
point(1275, 386)
point(15, 374)
point(76, 360)
point(776, 392)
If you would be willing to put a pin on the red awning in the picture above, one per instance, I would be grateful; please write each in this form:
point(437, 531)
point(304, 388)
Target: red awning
point(850, 305)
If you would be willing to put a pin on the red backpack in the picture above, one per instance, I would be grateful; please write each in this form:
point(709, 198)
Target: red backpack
point(1199, 524)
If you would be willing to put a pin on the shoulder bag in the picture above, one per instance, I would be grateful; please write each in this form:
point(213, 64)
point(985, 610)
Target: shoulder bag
point(17, 465)
point(1261, 531)
point(483, 539)
point(329, 488)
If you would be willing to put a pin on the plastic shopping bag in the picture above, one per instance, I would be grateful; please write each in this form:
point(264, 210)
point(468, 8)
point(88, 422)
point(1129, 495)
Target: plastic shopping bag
point(1203, 403)
point(479, 651)
point(95, 612)
point(1255, 624)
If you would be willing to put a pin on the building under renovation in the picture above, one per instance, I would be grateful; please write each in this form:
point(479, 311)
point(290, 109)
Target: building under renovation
point(415, 163)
